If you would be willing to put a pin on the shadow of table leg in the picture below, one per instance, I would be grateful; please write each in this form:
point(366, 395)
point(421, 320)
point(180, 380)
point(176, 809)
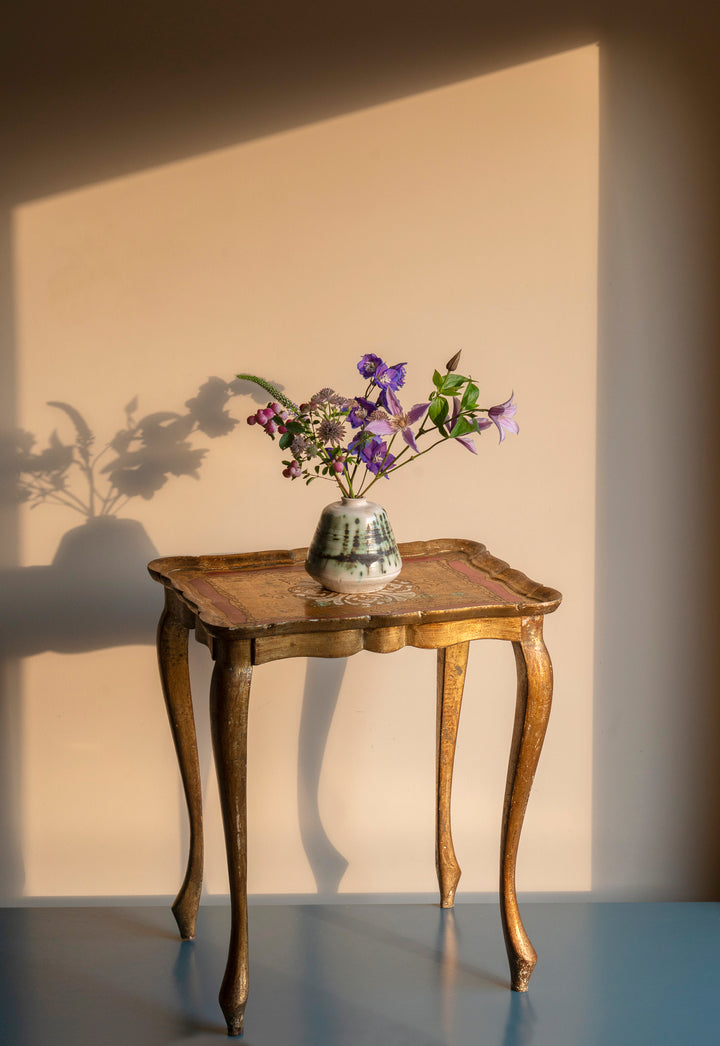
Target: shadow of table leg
point(229, 703)
point(534, 697)
point(322, 689)
point(172, 646)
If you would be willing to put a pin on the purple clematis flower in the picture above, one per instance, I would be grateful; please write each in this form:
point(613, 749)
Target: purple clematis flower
point(390, 377)
point(398, 421)
point(361, 411)
point(503, 417)
point(376, 456)
point(369, 364)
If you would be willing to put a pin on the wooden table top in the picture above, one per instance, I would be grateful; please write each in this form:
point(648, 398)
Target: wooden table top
point(269, 593)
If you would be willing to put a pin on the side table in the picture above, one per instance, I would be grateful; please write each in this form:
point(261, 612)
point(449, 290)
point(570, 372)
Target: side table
point(258, 607)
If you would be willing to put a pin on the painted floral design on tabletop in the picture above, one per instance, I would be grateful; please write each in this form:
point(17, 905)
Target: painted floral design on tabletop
point(394, 592)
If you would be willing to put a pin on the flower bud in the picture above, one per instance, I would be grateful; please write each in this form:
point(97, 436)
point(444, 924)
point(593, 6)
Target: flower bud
point(453, 363)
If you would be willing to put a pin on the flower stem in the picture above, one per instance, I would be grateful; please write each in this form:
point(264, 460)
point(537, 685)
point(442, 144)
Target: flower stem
point(407, 461)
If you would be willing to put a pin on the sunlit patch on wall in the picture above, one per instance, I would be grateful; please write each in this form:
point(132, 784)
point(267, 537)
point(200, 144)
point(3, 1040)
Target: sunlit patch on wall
point(464, 217)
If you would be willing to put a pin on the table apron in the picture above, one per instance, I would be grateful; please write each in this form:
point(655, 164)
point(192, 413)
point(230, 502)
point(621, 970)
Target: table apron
point(346, 642)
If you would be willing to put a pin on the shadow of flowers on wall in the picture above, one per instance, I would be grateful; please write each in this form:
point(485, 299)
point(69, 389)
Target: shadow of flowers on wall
point(137, 462)
point(96, 593)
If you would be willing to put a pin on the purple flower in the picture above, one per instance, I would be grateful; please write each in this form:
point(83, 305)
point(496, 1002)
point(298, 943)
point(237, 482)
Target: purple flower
point(376, 456)
point(398, 421)
point(360, 412)
point(390, 377)
point(369, 364)
point(503, 417)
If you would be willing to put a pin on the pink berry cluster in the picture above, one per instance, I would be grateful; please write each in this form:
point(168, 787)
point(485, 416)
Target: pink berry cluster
point(338, 462)
point(293, 470)
point(272, 418)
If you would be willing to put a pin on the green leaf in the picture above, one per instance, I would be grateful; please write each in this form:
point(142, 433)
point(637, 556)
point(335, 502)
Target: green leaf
point(470, 396)
point(462, 427)
point(452, 382)
point(272, 389)
point(285, 440)
point(439, 409)
point(437, 379)
point(293, 426)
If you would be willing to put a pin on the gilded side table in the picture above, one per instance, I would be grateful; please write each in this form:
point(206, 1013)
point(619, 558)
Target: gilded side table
point(258, 607)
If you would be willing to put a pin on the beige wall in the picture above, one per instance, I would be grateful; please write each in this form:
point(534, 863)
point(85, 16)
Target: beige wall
point(460, 217)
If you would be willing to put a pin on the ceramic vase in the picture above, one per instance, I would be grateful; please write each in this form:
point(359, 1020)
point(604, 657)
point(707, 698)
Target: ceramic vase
point(354, 549)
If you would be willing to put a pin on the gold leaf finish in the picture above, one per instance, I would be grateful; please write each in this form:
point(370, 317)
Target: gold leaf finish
point(253, 608)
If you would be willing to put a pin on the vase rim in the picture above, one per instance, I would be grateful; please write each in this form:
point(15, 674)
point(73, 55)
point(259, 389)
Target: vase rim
point(351, 501)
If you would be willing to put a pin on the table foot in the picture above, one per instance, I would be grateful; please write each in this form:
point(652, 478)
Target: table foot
point(534, 697)
point(229, 706)
point(234, 1019)
point(172, 648)
point(451, 668)
point(185, 910)
point(520, 970)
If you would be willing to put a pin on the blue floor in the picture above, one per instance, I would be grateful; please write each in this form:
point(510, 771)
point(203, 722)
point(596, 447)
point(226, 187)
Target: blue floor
point(360, 975)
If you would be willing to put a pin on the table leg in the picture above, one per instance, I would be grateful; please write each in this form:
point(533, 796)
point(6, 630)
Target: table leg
point(229, 702)
point(451, 666)
point(534, 697)
point(172, 646)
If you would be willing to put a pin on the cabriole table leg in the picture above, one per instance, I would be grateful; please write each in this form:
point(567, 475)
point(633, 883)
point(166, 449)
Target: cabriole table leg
point(229, 701)
point(172, 647)
point(451, 667)
point(534, 697)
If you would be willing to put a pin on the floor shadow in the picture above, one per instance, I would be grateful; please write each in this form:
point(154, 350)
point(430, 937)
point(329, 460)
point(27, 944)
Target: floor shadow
point(521, 1020)
point(444, 951)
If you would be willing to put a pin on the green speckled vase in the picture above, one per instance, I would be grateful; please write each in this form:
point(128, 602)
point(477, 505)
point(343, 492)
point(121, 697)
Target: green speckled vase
point(354, 548)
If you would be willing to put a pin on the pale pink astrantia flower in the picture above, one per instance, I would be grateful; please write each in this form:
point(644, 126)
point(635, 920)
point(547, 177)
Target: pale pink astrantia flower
point(503, 417)
point(398, 421)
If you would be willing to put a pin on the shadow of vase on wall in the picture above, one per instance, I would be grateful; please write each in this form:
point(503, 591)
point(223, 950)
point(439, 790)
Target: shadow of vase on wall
point(93, 595)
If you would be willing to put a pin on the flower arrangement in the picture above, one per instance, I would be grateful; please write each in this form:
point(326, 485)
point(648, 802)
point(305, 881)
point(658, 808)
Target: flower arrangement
point(355, 441)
